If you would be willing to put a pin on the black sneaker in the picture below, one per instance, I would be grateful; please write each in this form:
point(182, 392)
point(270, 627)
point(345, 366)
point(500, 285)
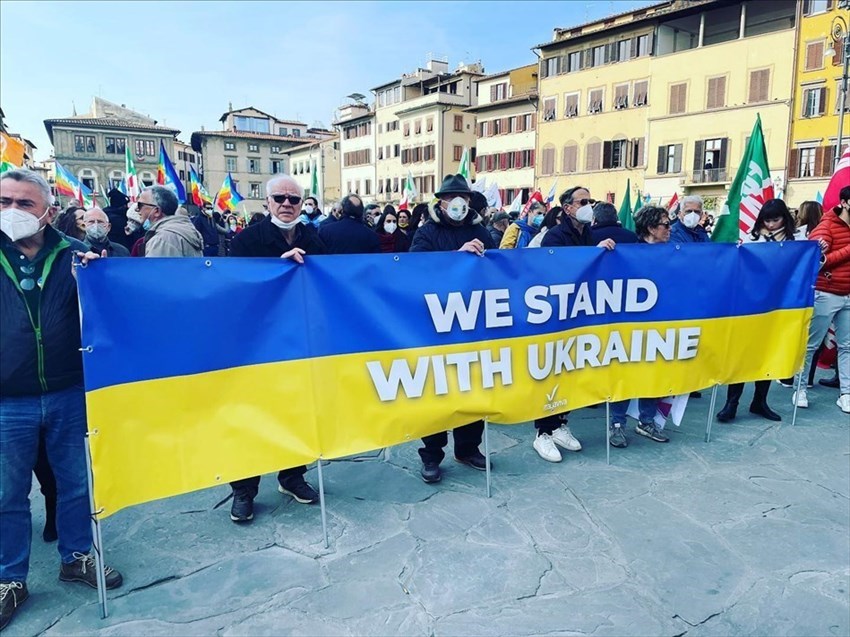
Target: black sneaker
point(651, 432)
point(12, 595)
point(431, 472)
point(242, 509)
point(476, 460)
point(618, 438)
point(300, 490)
point(82, 569)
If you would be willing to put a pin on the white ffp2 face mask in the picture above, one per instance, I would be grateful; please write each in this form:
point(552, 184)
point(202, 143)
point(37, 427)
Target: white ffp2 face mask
point(389, 227)
point(691, 219)
point(19, 224)
point(457, 209)
point(585, 214)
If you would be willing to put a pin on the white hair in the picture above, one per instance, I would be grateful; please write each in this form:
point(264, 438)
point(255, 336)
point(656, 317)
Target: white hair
point(279, 178)
point(692, 199)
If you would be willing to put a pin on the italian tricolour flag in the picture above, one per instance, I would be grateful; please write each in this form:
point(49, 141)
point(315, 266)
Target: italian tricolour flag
point(751, 188)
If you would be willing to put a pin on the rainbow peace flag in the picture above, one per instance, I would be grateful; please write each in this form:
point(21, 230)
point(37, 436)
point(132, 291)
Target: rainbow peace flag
point(167, 176)
point(228, 197)
point(200, 196)
point(66, 183)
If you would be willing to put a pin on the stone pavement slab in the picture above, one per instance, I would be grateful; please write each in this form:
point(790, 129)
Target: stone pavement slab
point(749, 534)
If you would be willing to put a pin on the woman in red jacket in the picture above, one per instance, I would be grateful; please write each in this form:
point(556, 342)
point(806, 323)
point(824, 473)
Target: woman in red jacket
point(832, 296)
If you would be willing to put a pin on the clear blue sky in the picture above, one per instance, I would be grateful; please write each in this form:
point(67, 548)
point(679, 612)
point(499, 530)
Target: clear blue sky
point(182, 62)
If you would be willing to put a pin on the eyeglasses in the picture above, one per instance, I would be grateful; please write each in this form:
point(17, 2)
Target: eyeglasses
point(663, 225)
point(293, 199)
point(584, 202)
point(142, 203)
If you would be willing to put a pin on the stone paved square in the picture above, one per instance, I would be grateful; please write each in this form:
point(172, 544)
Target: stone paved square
point(746, 535)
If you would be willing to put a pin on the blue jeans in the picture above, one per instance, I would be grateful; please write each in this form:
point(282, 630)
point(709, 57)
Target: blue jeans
point(646, 408)
point(62, 417)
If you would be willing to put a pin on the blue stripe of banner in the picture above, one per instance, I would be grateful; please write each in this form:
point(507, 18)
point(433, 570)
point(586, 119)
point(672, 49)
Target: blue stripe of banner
point(157, 318)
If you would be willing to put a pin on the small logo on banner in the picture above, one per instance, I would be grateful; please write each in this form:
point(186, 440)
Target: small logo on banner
point(551, 403)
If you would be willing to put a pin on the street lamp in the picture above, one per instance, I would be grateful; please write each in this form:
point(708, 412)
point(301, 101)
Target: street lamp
point(841, 38)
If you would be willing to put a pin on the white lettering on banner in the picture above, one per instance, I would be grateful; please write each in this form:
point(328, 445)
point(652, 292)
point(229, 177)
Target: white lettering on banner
point(412, 383)
point(589, 299)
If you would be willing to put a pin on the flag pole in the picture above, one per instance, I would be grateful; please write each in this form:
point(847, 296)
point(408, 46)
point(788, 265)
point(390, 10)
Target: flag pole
point(322, 501)
point(608, 432)
point(487, 453)
point(711, 406)
point(97, 539)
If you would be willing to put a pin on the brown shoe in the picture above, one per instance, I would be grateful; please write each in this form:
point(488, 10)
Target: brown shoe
point(82, 569)
point(12, 595)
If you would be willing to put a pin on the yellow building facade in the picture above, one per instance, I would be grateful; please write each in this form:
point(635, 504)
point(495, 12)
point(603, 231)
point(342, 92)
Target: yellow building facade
point(817, 96)
point(665, 98)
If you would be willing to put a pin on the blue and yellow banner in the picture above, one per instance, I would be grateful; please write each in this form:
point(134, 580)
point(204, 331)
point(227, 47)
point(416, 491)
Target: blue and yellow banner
point(199, 372)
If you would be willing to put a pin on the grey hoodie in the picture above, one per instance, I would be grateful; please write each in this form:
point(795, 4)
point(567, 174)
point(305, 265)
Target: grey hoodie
point(173, 236)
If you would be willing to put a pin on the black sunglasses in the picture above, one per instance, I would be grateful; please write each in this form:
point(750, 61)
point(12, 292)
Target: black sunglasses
point(663, 225)
point(293, 199)
point(584, 202)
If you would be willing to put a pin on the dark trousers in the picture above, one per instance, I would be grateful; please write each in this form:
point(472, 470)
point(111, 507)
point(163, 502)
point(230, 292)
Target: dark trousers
point(734, 392)
point(548, 424)
point(467, 438)
point(252, 484)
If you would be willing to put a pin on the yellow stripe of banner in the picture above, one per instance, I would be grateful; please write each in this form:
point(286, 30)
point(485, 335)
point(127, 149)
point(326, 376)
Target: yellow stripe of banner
point(176, 435)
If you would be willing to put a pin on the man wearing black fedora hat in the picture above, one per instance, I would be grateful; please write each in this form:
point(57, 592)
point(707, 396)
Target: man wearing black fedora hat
point(453, 225)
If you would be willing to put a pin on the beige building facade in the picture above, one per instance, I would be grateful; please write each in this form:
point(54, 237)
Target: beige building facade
point(92, 146)
point(506, 130)
point(251, 147)
point(322, 159)
point(356, 125)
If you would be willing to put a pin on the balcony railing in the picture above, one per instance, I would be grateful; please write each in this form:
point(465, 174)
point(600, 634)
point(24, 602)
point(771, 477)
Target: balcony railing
point(709, 176)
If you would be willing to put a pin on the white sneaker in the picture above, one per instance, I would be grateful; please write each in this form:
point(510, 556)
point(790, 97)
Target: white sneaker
point(843, 403)
point(563, 437)
point(802, 400)
point(546, 449)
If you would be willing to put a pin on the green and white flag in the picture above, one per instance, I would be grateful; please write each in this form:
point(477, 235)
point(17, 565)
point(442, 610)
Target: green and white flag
point(750, 189)
point(131, 179)
point(314, 184)
point(463, 168)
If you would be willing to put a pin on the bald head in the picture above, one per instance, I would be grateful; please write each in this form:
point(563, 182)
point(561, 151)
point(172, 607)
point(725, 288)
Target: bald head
point(95, 214)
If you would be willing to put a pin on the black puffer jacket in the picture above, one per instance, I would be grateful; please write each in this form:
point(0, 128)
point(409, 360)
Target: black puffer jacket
point(438, 235)
point(349, 236)
point(29, 366)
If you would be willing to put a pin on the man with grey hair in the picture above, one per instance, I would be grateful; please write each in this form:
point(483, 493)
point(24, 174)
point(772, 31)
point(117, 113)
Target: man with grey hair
point(97, 234)
point(41, 388)
point(688, 226)
point(280, 234)
point(606, 225)
point(166, 234)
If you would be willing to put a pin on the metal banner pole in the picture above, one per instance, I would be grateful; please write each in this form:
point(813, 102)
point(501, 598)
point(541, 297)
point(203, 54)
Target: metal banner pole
point(711, 406)
point(487, 452)
point(608, 432)
point(322, 501)
point(797, 393)
point(97, 539)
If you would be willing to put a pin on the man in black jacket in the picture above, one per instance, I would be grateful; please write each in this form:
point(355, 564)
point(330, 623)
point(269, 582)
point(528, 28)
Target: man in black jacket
point(280, 234)
point(350, 235)
point(606, 225)
point(453, 225)
point(573, 230)
point(41, 388)
point(97, 234)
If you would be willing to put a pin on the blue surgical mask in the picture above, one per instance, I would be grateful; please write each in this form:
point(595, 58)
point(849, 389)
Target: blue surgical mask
point(537, 221)
point(146, 225)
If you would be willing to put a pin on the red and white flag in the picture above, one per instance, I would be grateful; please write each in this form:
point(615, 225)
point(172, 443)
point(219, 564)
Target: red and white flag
point(673, 204)
point(840, 179)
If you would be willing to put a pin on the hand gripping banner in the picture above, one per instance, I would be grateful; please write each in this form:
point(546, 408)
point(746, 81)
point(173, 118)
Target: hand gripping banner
point(200, 372)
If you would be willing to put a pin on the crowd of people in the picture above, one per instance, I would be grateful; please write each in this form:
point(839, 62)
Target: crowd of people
point(42, 400)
